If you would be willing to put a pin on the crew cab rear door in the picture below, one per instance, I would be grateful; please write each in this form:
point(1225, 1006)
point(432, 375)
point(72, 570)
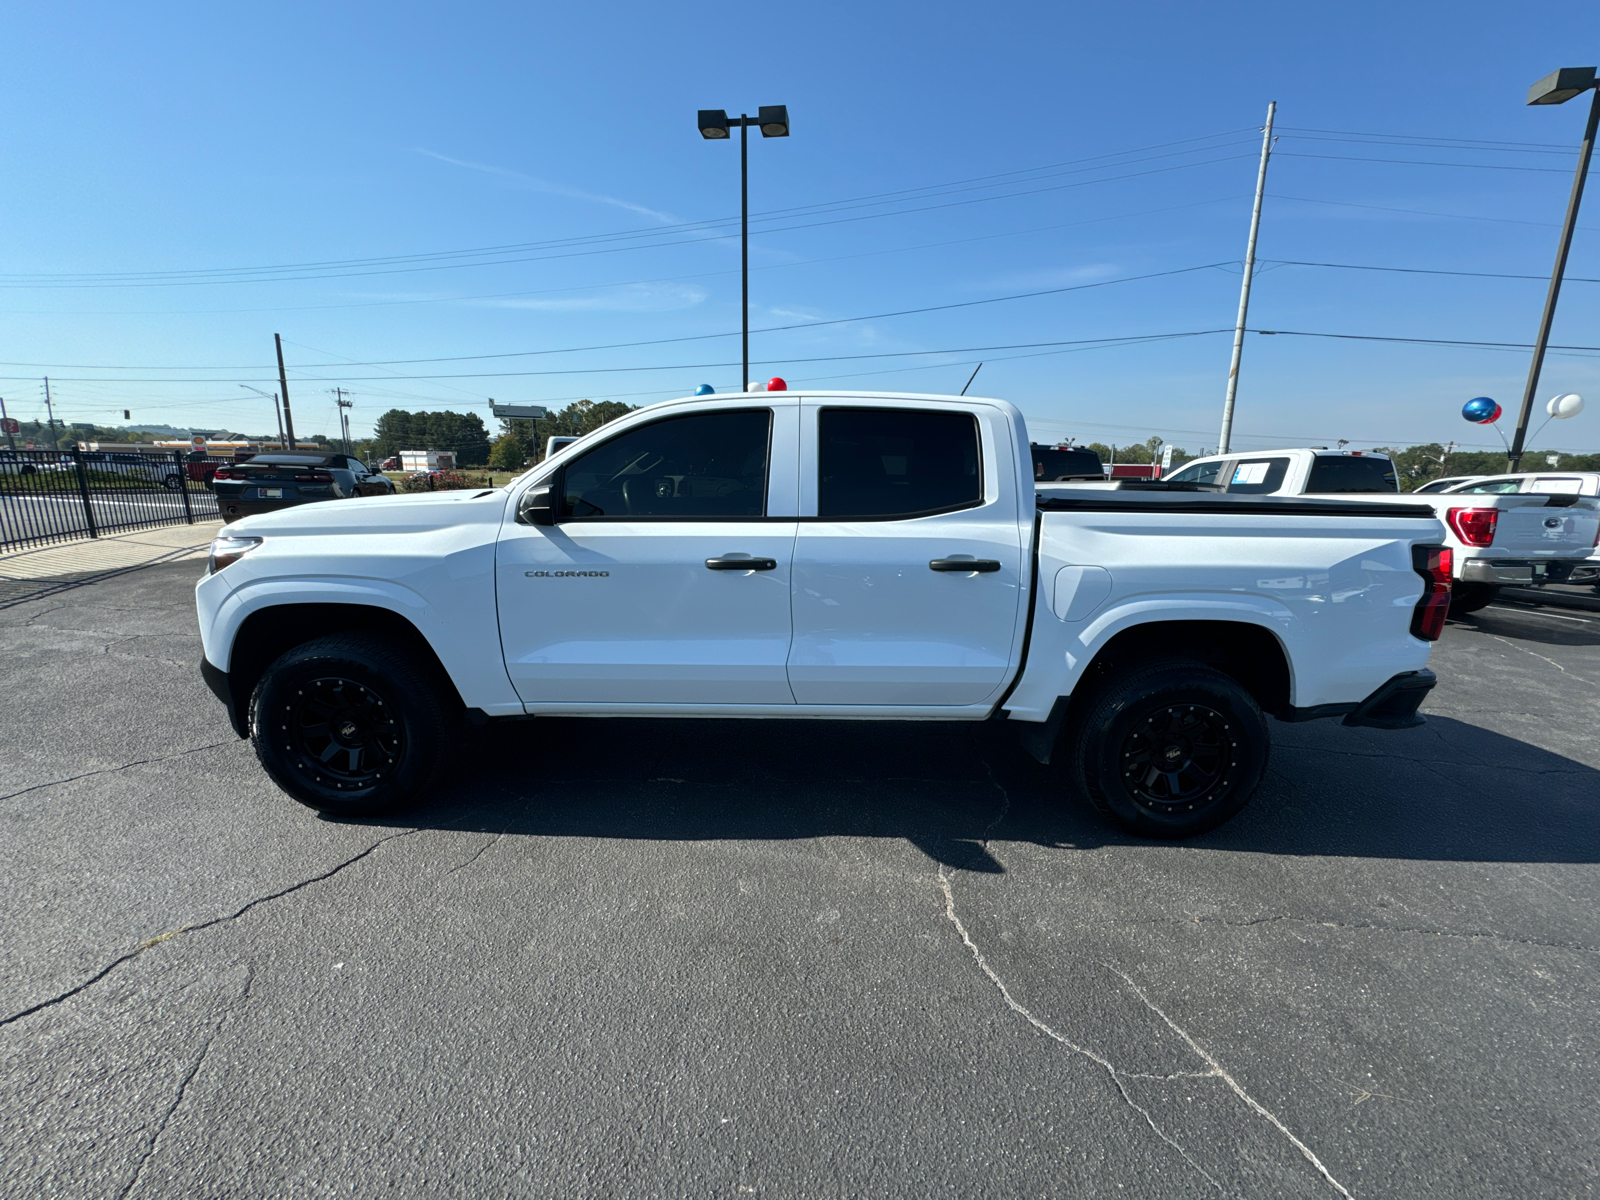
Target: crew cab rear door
point(896, 497)
point(637, 596)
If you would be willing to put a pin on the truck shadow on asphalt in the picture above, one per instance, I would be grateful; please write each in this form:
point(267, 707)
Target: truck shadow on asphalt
point(1448, 791)
point(1573, 628)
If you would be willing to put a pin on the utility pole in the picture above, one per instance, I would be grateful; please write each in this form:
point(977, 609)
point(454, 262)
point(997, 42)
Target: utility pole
point(283, 383)
point(339, 395)
point(55, 443)
point(5, 420)
point(1244, 288)
point(1514, 455)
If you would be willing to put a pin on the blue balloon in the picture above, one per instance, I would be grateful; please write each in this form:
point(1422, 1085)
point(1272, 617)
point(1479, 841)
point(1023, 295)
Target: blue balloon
point(1481, 410)
point(705, 389)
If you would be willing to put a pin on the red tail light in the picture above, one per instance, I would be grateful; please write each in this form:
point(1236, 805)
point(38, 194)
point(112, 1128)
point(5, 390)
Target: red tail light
point(224, 474)
point(313, 477)
point(1474, 526)
point(1434, 564)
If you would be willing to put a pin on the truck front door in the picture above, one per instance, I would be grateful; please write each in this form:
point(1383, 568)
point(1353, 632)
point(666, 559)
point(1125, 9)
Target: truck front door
point(896, 500)
point(639, 595)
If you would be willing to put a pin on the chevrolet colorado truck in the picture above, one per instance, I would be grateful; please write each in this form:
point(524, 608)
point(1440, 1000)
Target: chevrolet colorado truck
point(823, 555)
point(1499, 530)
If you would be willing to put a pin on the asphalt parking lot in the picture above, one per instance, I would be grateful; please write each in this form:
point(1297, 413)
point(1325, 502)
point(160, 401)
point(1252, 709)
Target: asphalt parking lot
point(628, 958)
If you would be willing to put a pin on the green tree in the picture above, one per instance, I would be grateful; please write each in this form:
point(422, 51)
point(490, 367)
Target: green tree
point(507, 454)
point(575, 420)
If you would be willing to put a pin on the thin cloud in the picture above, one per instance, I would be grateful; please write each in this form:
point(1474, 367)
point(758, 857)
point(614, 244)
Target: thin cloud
point(529, 183)
point(636, 298)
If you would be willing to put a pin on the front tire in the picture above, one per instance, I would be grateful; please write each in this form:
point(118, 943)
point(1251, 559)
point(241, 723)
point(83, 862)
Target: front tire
point(1470, 597)
point(347, 725)
point(1169, 750)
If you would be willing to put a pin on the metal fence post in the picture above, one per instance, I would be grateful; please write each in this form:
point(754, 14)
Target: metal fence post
point(83, 490)
point(183, 484)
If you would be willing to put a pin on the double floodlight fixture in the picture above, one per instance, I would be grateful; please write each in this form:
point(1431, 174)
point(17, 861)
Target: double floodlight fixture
point(772, 118)
point(1560, 86)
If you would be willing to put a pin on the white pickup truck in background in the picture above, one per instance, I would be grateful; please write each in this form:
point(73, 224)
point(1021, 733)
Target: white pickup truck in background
point(824, 555)
point(1523, 530)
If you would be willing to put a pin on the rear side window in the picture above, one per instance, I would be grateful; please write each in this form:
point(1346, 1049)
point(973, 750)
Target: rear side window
point(888, 463)
point(1257, 476)
point(705, 465)
point(1198, 473)
point(1347, 473)
point(1557, 487)
point(1050, 463)
point(1490, 487)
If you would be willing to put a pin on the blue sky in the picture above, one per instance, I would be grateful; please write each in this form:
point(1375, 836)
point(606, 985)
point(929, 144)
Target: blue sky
point(941, 155)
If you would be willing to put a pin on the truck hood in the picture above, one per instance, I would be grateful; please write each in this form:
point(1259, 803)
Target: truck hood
point(413, 513)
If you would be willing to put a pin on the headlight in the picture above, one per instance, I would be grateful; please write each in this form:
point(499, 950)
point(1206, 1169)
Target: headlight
point(229, 549)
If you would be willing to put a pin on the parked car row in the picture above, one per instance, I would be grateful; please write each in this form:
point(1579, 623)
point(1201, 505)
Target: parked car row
point(268, 482)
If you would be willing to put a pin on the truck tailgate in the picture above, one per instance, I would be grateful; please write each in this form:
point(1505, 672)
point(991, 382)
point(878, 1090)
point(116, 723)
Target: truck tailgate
point(1531, 527)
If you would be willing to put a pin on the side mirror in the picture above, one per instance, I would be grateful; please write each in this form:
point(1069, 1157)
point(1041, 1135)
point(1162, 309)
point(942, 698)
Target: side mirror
point(537, 506)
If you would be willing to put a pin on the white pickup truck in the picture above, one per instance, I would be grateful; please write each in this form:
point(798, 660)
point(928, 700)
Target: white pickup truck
point(1500, 532)
point(823, 555)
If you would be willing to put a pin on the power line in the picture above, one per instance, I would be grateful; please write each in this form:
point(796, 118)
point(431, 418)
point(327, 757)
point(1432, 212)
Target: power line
point(1464, 143)
point(1284, 262)
point(699, 337)
point(422, 262)
point(1418, 162)
point(1371, 337)
point(281, 308)
point(1422, 212)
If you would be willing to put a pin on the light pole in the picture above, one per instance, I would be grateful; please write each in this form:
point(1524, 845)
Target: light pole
point(1556, 88)
point(714, 125)
point(278, 412)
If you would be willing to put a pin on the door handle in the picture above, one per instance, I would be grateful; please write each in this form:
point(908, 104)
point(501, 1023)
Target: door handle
point(746, 564)
point(982, 565)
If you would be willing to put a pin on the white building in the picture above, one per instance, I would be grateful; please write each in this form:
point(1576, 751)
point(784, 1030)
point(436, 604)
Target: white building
point(427, 460)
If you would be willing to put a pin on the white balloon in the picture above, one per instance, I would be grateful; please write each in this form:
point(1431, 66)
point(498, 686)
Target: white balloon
point(753, 386)
point(1562, 407)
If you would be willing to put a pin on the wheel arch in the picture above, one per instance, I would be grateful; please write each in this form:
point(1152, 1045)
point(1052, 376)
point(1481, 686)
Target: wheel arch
point(269, 632)
point(1251, 654)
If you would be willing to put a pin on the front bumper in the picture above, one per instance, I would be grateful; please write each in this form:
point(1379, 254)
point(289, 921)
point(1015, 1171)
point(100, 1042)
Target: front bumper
point(1524, 572)
point(222, 688)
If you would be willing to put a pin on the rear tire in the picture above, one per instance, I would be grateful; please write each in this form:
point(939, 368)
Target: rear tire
point(347, 725)
point(1169, 750)
point(1470, 597)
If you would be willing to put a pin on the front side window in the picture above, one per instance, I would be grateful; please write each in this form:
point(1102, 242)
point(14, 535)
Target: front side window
point(1204, 472)
point(1490, 487)
point(889, 463)
point(706, 465)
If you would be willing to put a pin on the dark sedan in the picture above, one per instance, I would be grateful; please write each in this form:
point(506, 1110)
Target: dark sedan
point(269, 482)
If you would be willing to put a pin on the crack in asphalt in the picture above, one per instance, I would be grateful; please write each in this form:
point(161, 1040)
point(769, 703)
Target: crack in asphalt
point(150, 943)
point(477, 854)
point(138, 762)
point(1042, 1027)
point(1232, 1083)
point(183, 1086)
point(1376, 927)
point(1214, 1069)
point(1542, 658)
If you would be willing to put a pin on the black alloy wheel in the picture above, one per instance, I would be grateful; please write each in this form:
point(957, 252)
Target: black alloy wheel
point(1167, 749)
point(348, 725)
point(342, 733)
point(1178, 756)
